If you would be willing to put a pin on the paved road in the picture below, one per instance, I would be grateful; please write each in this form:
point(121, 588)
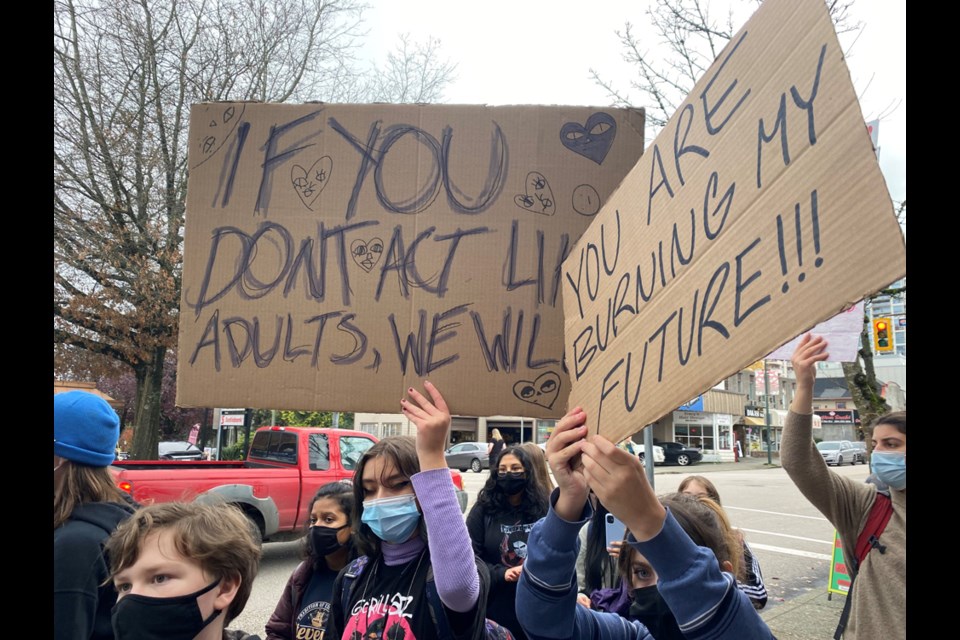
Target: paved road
point(790, 538)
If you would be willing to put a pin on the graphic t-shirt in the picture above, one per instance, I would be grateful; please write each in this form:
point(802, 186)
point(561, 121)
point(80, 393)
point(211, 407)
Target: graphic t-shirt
point(500, 540)
point(389, 603)
point(314, 615)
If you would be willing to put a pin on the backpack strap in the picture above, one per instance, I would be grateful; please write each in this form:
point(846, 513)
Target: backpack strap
point(491, 629)
point(868, 539)
point(354, 571)
point(437, 613)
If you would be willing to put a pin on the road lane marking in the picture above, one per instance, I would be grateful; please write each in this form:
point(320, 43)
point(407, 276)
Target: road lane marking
point(778, 513)
point(787, 535)
point(791, 552)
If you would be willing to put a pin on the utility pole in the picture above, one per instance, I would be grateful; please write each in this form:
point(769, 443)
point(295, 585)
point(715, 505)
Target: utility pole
point(766, 402)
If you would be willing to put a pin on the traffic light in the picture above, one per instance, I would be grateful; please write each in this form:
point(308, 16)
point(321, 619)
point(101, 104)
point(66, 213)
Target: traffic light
point(882, 338)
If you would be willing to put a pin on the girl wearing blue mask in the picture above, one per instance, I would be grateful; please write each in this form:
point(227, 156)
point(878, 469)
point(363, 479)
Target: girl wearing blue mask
point(403, 490)
point(878, 596)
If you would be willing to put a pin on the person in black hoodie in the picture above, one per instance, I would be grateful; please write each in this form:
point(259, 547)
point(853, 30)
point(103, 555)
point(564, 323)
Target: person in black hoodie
point(508, 505)
point(87, 507)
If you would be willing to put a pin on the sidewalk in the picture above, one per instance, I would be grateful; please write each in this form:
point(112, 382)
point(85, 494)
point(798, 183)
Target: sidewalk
point(811, 616)
point(745, 464)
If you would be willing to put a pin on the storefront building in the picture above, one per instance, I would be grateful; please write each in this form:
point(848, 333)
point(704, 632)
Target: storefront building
point(752, 430)
point(514, 429)
point(706, 423)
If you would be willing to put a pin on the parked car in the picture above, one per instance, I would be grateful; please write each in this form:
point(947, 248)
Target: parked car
point(861, 456)
point(178, 450)
point(658, 455)
point(676, 453)
point(468, 455)
point(836, 452)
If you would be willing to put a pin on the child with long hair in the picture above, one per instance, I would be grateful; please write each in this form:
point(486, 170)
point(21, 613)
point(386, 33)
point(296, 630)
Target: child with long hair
point(506, 508)
point(87, 507)
point(304, 607)
point(750, 578)
point(415, 542)
point(693, 579)
point(636, 597)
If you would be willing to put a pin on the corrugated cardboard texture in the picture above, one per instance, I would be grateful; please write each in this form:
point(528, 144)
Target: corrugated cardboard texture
point(337, 254)
point(759, 211)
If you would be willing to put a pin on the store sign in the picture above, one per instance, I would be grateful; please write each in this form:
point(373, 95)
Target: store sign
point(753, 412)
point(693, 405)
point(691, 417)
point(837, 417)
point(231, 417)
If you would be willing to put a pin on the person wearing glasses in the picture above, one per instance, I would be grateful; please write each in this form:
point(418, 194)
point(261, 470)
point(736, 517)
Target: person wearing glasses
point(510, 502)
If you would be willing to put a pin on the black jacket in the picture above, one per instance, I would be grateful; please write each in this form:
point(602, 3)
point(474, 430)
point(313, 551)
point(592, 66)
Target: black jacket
point(81, 600)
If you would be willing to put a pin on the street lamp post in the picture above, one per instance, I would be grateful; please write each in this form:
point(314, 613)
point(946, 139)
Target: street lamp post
point(766, 402)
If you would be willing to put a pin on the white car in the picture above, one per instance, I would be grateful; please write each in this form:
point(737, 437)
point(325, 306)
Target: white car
point(836, 452)
point(658, 456)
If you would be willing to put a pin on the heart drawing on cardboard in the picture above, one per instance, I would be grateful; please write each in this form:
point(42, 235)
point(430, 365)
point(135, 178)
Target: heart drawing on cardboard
point(592, 140)
point(538, 195)
point(543, 391)
point(308, 183)
point(366, 253)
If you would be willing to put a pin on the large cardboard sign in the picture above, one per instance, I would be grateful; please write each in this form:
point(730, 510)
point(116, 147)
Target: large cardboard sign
point(758, 211)
point(337, 254)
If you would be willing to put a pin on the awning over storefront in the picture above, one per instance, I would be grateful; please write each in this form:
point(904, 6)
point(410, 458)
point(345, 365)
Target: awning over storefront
point(755, 422)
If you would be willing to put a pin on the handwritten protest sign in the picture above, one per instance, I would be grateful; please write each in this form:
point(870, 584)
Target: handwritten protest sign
point(337, 254)
point(758, 211)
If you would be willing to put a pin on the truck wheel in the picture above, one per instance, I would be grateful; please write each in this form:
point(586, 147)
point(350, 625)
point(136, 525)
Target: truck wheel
point(475, 466)
point(256, 528)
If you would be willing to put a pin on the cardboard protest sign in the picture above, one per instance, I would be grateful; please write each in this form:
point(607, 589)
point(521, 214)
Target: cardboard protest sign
point(337, 254)
point(757, 212)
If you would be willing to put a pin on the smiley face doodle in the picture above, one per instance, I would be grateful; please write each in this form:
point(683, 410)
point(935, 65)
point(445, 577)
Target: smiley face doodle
point(586, 200)
point(308, 183)
point(366, 253)
point(538, 195)
point(543, 391)
point(221, 121)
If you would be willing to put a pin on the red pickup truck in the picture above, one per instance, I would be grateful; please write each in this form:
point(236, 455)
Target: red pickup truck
point(283, 470)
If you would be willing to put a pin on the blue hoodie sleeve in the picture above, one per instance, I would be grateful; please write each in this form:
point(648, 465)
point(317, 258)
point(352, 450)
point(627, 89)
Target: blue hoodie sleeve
point(705, 600)
point(547, 592)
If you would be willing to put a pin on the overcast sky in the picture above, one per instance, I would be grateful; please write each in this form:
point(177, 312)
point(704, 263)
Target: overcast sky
point(541, 51)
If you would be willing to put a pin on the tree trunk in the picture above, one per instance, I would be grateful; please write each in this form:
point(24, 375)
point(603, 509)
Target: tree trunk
point(862, 384)
point(146, 434)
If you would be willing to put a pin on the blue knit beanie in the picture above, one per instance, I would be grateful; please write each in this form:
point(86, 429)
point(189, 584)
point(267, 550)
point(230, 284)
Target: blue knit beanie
point(85, 428)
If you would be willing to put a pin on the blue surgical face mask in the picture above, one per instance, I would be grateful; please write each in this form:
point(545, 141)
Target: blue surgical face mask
point(392, 519)
point(890, 467)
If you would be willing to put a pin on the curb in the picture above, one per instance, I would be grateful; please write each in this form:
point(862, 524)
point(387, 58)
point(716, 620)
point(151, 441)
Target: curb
point(700, 467)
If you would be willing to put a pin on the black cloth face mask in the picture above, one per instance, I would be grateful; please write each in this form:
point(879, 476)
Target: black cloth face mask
point(649, 607)
point(137, 617)
point(512, 485)
point(323, 540)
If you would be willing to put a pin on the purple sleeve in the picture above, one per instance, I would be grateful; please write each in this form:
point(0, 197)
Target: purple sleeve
point(451, 552)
